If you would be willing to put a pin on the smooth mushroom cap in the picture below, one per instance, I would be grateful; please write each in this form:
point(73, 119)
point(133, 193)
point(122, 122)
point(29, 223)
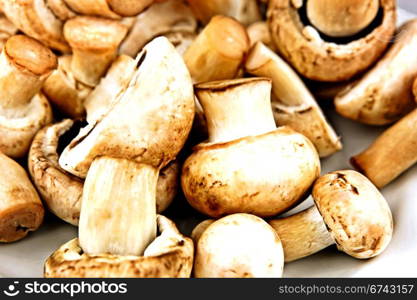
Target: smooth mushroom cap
point(129, 7)
point(161, 93)
point(239, 245)
point(199, 230)
point(322, 59)
point(21, 209)
point(170, 255)
point(99, 8)
point(357, 215)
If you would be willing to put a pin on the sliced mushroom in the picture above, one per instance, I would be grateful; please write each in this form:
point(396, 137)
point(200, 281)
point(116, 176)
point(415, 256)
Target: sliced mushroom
point(384, 94)
point(349, 211)
point(7, 29)
point(122, 153)
point(320, 57)
point(35, 18)
point(238, 246)
point(169, 255)
point(218, 51)
point(259, 32)
point(248, 165)
point(245, 11)
point(391, 154)
point(292, 103)
point(165, 18)
point(23, 110)
point(21, 209)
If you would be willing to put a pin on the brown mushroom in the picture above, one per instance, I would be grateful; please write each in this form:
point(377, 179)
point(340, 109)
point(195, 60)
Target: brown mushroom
point(218, 51)
point(292, 103)
point(35, 18)
point(384, 94)
point(165, 18)
point(21, 209)
point(247, 165)
point(245, 11)
point(320, 57)
point(24, 65)
point(169, 255)
point(349, 211)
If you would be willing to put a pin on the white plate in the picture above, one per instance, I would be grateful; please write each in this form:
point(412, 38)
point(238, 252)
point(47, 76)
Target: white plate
point(26, 258)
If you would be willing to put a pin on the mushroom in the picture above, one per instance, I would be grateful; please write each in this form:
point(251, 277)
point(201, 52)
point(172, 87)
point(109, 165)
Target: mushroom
point(391, 154)
point(7, 29)
point(121, 154)
point(247, 165)
point(200, 228)
point(170, 255)
point(60, 9)
point(245, 11)
point(349, 211)
point(23, 109)
point(320, 57)
point(35, 18)
point(292, 103)
point(218, 51)
point(165, 18)
point(113, 9)
point(21, 209)
point(61, 191)
point(259, 32)
point(94, 42)
point(239, 245)
point(384, 94)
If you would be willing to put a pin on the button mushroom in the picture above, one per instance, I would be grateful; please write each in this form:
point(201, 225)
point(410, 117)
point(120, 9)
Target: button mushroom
point(292, 102)
point(247, 165)
point(170, 255)
point(320, 57)
point(21, 209)
point(239, 245)
point(61, 191)
point(35, 18)
point(7, 29)
point(384, 94)
point(218, 51)
point(259, 32)
point(245, 11)
point(120, 156)
point(23, 109)
point(165, 18)
point(349, 211)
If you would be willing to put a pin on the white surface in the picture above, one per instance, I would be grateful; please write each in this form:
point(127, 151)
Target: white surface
point(25, 258)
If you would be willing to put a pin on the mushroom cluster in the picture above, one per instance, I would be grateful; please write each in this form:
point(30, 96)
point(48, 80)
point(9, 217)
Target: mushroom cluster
point(112, 110)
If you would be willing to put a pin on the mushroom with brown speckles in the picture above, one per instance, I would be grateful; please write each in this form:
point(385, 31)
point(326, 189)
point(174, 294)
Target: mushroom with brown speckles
point(349, 211)
point(247, 165)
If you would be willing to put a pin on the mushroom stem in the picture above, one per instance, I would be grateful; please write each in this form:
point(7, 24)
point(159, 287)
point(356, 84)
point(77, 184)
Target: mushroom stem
point(235, 109)
point(94, 42)
point(341, 18)
point(26, 62)
point(391, 154)
point(312, 236)
point(218, 51)
point(21, 209)
point(118, 209)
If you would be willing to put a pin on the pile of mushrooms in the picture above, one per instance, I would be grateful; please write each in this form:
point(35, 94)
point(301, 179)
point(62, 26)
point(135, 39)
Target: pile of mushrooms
point(121, 108)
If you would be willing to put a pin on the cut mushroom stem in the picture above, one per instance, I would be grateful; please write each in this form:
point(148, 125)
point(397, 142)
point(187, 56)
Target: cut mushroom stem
point(21, 209)
point(118, 210)
point(94, 42)
point(391, 154)
point(349, 211)
point(218, 51)
point(341, 18)
point(292, 103)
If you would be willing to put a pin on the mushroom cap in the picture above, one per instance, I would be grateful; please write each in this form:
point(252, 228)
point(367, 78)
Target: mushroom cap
point(128, 7)
point(355, 212)
point(321, 60)
point(7, 29)
point(169, 255)
point(149, 123)
point(94, 34)
point(239, 245)
point(167, 186)
point(264, 175)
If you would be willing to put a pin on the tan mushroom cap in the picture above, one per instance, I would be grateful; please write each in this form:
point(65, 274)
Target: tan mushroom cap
point(61, 9)
point(128, 7)
point(356, 214)
point(321, 60)
point(170, 255)
point(238, 246)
